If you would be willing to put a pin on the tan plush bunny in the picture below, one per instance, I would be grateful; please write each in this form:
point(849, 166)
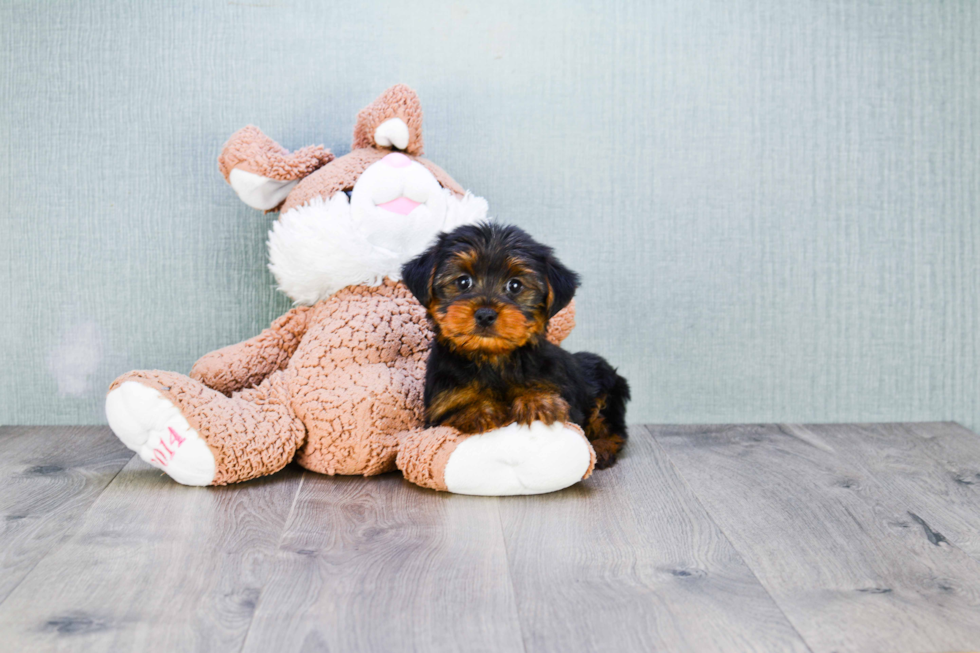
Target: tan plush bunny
point(336, 383)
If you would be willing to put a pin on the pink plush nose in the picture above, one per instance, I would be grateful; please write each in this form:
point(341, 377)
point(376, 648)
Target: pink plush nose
point(401, 206)
point(397, 160)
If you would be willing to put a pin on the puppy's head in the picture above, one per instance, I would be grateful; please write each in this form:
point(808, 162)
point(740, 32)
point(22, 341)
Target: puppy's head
point(489, 288)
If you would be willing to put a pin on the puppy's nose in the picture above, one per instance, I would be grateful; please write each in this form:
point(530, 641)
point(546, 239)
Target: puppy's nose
point(485, 316)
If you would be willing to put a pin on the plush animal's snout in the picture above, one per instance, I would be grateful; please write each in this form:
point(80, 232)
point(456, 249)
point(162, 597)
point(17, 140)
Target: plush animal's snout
point(398, 204)
point(485, 316)
point(397, 184)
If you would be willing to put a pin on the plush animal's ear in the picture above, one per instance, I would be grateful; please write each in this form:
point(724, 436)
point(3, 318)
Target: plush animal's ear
point(419, 273)
point(394, 121)
point(562, 283)
point(262, 172)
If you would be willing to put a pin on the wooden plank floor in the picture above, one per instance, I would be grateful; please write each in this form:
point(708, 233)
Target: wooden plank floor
point(703, 538)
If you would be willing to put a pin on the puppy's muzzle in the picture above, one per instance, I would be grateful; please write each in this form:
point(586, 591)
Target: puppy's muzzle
point(485, 317)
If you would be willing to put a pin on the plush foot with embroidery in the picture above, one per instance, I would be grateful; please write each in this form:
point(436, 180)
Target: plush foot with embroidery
point(153, 427)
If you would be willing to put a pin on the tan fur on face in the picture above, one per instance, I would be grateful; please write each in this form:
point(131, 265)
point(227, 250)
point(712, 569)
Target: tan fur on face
point(458, 325)
point(462, 263)
point(465, 261)
point(518, 267)
point(456, 319)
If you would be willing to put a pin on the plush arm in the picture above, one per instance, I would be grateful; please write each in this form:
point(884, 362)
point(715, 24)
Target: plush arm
point(246, 364)
point(562, 324)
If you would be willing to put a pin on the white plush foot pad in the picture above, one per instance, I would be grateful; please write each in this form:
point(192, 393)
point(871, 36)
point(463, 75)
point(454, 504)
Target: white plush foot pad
point(518, 460)
point(153, 427)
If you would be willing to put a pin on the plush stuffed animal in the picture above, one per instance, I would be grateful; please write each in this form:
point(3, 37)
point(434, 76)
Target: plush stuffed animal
point(336, 383)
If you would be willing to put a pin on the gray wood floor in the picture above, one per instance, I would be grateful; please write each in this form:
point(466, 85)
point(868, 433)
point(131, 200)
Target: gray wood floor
point(703, 538)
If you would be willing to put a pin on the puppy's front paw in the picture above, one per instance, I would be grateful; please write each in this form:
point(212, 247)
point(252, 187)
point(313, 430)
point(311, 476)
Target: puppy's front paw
point(536, 406)
point(478, 418)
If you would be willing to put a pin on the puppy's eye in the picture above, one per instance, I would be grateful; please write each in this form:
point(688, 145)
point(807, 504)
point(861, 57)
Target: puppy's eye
point(464, 283)
point(514, 286)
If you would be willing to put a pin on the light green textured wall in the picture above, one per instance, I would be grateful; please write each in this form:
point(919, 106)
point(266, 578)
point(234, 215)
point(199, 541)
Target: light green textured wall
point(775, 205)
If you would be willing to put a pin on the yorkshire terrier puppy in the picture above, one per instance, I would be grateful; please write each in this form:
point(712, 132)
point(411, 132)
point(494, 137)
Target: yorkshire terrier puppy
point(489, 291)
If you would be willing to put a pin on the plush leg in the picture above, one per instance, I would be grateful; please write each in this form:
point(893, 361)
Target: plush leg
point(507, 461)
point(197, 435)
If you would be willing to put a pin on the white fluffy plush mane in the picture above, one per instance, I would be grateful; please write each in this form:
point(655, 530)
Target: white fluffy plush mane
point(318, 248)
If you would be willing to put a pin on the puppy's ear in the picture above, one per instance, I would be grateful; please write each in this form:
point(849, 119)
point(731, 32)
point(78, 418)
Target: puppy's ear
point(419, 272)
point(562, 283)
